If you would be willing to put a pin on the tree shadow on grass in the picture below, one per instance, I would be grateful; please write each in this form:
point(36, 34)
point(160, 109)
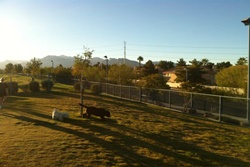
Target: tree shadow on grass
point(129, 156)
point(125, 145)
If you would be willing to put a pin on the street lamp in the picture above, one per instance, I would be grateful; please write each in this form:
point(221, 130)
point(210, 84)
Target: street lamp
point(106, 57)
point(52, 63)
point(247, 23)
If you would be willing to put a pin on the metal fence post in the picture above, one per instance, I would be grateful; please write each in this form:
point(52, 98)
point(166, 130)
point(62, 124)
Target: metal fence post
point(10, 86)
point(121, 91)
point(248, 110)
point(169, 98)
point(191, 98)
point(220, 108)
point(129, 93)
point(140, 93)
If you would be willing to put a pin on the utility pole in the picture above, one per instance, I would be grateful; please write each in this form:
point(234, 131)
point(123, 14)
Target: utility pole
point(124, 52)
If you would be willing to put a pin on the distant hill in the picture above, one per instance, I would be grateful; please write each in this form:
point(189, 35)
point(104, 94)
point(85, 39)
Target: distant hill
point(67, 61)
point(4, 63)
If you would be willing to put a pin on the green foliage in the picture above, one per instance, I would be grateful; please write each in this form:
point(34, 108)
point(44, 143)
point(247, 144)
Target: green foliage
point(63, 75)
point(77, 87)
point(34, 86)
point(180, 73)
point(140, 59)
point(94, 73)
point(223, 65)
point(195, 63)
point(149, 68)
point(193, 87)
point(81, 62)
point(47, 85)
point(95, 88)
point(241, 61)
point(18, 68)
point(85, 84)
point(12, 88)
point(205, 62)
point(165, 64)
point(234, 77)
point(153, 81)
point(33, 67)
point(121, 74)
point(192, 74)
point(181, 63)
point(9, 68)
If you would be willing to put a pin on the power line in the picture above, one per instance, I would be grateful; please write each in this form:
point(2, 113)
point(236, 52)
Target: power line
point(187, 52)
point(197, 47)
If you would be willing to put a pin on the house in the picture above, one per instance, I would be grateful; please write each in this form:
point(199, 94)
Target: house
point(170, 75)
point(209, 75)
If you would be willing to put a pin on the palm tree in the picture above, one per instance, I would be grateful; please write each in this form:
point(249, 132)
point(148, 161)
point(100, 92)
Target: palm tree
point(140, 59)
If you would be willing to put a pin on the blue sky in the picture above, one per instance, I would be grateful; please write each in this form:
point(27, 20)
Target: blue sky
point(154, 29)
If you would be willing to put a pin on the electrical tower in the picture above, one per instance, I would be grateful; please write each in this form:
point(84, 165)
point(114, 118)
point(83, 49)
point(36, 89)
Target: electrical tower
point(124, 52)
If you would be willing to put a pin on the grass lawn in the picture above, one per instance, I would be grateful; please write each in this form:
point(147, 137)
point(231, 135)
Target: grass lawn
point(135, 135)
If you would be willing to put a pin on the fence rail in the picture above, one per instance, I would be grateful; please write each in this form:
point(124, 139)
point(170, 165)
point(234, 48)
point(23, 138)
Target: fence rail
point(215, 107)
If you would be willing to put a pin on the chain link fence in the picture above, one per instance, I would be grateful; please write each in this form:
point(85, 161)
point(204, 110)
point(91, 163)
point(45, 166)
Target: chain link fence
point(219, 108)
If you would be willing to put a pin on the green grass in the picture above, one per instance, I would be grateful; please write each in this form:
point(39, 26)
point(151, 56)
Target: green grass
point(136, 134)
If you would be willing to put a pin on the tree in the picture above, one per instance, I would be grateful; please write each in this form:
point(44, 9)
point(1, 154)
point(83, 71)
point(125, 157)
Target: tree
point(18, 68)
point(81, 62)
point(94, 73)
point(156, 81)
point(87, 54)
point(166, 64)
point(9, 68)
point(234, 77)
point(149, 68)
point(121, 74)
point(241, 61)
point(33, 67)
point(63, 75)
point(204, 62)
point(189, 74)
point(195, 63)
point(223, 65)
point(140, 59)
point(181, 63)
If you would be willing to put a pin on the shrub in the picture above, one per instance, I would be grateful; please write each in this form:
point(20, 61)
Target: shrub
point(95, 88)
point(47, 85)
point(13, 88)
point(77, 87)
point(34, 86)
point(85, 85)
point(24, 88)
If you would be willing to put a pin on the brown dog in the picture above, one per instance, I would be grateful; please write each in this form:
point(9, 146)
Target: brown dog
point(101, 112)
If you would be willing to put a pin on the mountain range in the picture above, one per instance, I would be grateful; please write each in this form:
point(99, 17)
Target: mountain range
point(67, 61)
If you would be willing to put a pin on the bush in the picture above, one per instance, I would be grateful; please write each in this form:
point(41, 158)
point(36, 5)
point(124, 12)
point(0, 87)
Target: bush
point(13, 88)
point(77, 87)
point(34, 86)
point(24, 88)
point(95, 89)
point(47, 85)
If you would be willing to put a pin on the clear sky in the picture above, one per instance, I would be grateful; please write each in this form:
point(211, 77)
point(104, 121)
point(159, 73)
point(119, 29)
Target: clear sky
point(154, 29)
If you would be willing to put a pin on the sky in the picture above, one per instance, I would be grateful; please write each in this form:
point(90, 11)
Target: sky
point(154, 29)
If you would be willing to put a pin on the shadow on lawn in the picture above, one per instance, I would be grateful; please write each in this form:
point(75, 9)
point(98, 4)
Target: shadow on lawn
point(125, 145)
point(129, 156)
